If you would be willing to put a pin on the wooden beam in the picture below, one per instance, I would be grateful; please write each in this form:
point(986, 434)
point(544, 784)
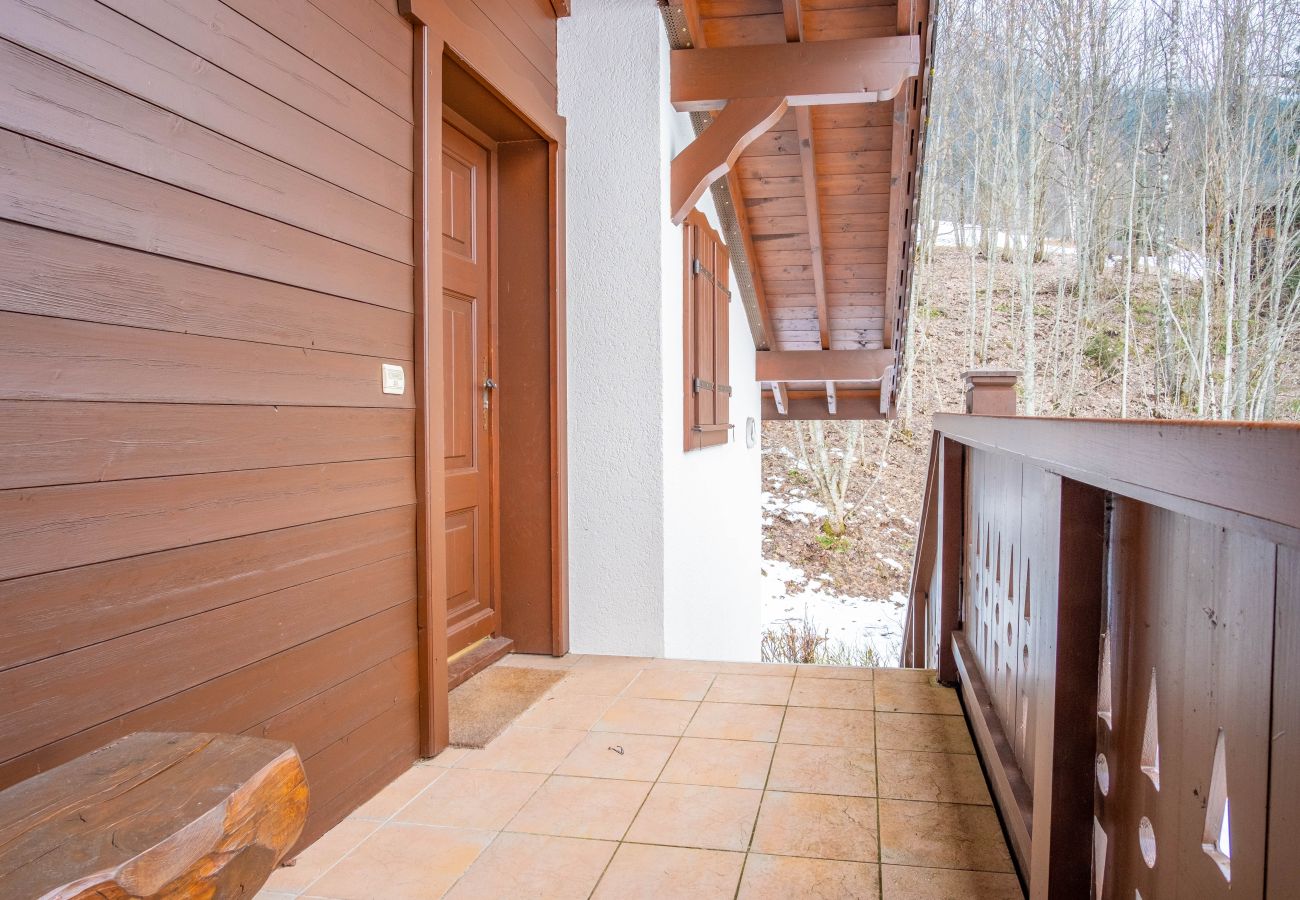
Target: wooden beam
point(713, 153)
point(822, 365)
point(863, 407)
point(858, 70)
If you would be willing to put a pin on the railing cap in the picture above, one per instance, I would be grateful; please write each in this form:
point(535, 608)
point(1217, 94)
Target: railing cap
point(991, 392)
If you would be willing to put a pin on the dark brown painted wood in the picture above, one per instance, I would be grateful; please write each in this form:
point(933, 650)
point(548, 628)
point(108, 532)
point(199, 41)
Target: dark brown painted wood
point(472, 660)
point(66, 192)
point(75, 443)
point(47, 615)
point(468, 371)
point(101, 43)
point(1065, 644)
point(951, 536)
point(1283, 874)
point(53, 103)
point(111, 363)
point(45, 273)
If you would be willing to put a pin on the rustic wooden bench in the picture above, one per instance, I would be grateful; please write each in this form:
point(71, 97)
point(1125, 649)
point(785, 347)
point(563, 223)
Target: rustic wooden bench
point(154, 816)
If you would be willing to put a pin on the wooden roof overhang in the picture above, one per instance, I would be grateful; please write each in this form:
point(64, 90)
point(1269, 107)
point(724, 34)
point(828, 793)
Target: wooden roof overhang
point(817, 116)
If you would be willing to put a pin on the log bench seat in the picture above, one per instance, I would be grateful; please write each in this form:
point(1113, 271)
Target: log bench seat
point(154, 815)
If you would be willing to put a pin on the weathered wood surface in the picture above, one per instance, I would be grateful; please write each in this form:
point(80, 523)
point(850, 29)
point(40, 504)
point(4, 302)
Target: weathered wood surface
point(154, 815)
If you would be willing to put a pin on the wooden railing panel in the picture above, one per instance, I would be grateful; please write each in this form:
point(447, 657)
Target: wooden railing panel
point(1097, 559)
point(1190, 628)
point(1283, 875)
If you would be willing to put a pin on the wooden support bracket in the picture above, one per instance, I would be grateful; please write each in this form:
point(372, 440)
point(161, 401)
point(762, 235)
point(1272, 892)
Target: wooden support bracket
point(857, 70)
point(713, 153)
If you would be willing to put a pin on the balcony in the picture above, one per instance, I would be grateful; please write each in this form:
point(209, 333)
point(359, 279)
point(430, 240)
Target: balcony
point(657, 778)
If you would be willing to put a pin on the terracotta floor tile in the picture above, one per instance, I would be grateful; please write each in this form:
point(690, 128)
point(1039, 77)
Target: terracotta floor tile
point(914, 675)
point(472, 798)
point(581, 807)
point(670, 684)
point(828, 727)
point(574, 711)
point(811, 769)
point(787, 877)
point(311, 863)
point(912, 883)
point(446, 759)
point(836, 693)
point(642, 759)
point(719, 763)
point(601, 660)
point(942, 835)
point(686, 665)
point(641, 715)
point(736, 722)
point(403, 862)
point(523, 749)
point(820, 826)
point(399, 792)
point(763, 689)
point(692, 815)
point(535, 866)
point(852, 673)
point(537, 661)
point(915, 697)
point(770, 670)
point(603, 681)
point(647, 872)
point(937, 777)
point(915, 731)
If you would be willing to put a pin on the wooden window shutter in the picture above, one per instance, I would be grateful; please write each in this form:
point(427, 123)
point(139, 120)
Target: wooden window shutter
point(706, 308)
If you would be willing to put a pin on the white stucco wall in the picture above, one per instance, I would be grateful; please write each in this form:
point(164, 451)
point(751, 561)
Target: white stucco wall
point(608, 74)
point(664, 544)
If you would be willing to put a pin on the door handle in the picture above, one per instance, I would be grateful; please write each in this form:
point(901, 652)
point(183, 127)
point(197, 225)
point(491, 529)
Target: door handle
point(488, 386)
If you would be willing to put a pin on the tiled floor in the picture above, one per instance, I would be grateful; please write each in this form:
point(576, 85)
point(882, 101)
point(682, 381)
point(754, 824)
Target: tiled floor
point(665, 778)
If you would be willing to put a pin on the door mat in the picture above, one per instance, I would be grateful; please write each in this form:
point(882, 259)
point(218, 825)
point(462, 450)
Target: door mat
point(483, 706)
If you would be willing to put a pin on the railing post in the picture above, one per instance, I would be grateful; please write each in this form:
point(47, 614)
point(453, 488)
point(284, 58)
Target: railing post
point(991, 392)
point(1066, 701)
point(952, 525)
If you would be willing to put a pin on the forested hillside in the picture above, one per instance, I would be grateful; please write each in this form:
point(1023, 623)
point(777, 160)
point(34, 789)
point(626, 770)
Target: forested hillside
point(1110, 204)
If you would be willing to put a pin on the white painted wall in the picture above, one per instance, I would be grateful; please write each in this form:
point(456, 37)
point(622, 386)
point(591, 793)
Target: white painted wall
point(664, 545)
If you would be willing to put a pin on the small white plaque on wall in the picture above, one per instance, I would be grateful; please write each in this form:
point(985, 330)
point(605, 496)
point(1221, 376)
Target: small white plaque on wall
point(394, 379)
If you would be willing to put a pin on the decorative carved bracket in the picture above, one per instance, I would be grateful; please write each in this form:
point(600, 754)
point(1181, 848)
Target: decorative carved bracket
point(754, 85)
point(713, 153)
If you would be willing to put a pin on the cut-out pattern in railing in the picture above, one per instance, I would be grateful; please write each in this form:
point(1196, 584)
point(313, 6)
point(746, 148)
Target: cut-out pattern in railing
point(1217, 841)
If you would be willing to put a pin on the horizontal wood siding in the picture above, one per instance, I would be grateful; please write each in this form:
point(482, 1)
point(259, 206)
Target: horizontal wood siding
point(207, 504)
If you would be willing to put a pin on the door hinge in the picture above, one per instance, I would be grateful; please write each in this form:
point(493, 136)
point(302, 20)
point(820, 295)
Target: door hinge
point(697, 267)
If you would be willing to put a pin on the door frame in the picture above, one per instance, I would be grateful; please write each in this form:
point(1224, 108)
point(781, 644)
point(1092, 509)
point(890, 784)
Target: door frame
point(438, 31)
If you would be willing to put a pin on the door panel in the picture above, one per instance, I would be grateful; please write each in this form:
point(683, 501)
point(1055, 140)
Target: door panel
point(467, 363)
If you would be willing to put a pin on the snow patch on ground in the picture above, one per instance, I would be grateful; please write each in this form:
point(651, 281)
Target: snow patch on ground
point(790, 595)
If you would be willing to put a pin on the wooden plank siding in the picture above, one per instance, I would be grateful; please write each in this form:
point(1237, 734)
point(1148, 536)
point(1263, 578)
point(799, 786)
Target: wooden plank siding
point(207, 505)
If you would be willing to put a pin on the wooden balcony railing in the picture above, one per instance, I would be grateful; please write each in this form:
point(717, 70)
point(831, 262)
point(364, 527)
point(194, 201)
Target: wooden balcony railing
point(1120, 602)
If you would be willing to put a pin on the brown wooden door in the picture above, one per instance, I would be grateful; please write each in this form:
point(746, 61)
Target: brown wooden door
point(468, 356)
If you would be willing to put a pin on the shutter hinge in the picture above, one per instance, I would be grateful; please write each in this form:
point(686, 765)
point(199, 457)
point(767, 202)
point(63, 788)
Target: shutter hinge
point(723, 389)
point(697, 268)
point(699, 384)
